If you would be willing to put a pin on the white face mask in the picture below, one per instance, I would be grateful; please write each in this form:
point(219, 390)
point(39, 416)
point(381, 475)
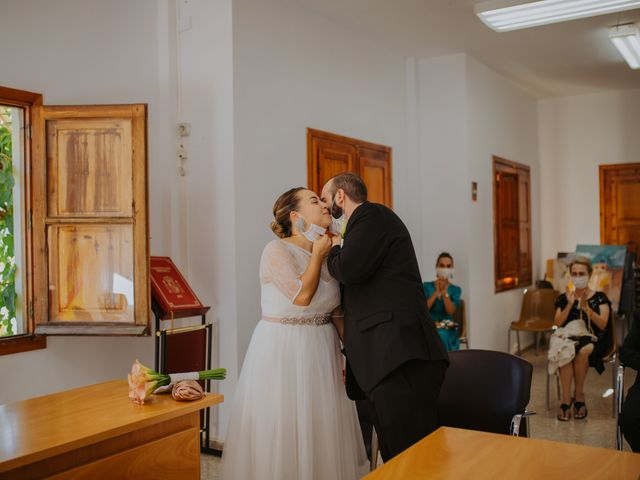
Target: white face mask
point(337, 226)
point(580, 282)
point(338, 219)
point(314, 231)
point(444, 273)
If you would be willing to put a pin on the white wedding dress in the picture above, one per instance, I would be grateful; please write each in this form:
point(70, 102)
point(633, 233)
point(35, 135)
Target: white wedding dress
point(291, 418)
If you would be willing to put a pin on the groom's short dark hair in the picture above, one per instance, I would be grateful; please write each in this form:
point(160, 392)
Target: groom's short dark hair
point(352, 185)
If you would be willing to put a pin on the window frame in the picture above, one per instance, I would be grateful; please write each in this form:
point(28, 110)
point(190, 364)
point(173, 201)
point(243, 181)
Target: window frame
point(524, 274)
point(28, 340)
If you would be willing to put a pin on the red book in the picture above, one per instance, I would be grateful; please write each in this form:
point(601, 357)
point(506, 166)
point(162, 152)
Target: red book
point(171, 292)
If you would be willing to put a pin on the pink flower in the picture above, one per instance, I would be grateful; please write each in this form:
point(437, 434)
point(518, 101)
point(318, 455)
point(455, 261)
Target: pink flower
point(187, 390)
point(143, 381)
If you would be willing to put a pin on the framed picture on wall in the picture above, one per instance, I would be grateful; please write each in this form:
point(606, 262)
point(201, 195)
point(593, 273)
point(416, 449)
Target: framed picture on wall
point(608, 269)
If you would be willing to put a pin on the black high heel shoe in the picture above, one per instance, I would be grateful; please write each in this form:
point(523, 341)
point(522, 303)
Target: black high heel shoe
point(566, 412)
point(576, 410)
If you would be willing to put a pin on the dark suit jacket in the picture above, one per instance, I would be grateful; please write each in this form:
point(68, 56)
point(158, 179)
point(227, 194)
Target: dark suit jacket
point(386, 318)
point(630, 349)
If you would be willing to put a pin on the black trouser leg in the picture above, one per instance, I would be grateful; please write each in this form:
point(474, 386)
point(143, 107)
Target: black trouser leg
point(404, 405)
point(630, 418)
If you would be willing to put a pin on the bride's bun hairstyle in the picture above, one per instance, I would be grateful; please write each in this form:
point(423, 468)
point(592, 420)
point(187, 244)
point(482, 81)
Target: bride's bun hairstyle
point(285, 204)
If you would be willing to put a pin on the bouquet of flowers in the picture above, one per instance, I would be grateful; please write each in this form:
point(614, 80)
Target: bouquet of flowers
point(143, 381)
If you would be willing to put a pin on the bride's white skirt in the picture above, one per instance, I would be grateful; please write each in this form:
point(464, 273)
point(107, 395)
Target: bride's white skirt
point(291, 418)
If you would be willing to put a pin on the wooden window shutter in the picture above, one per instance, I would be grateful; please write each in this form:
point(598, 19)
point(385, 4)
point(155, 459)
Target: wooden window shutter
point(90, 222)
point(524, 224)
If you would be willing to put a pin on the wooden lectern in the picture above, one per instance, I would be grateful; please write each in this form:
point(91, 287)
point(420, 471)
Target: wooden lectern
point(185, 349)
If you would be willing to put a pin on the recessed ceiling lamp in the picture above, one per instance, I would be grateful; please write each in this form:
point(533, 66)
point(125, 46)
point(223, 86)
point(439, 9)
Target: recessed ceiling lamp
point(505, 15)
point(626, 39)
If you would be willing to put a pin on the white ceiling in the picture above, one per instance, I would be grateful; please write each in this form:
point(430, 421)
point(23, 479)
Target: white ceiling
point(562, 59)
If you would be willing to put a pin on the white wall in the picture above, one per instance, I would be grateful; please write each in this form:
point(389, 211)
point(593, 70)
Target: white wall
point(443, 164)
point(502, 121)
point(285, 68)
point(125, 52)
point(206, 206)
point(468, 113)
point(293, 70)
point(91, 52)
point(577, 134)
point(254, 75)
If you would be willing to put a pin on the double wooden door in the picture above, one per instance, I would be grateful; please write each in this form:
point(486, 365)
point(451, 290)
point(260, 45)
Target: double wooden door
point(330, 154)
point(620, 205)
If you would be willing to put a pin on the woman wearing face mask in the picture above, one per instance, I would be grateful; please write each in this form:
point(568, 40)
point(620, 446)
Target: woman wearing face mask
point(581, 316)
point(443, 298)
point(291, 418)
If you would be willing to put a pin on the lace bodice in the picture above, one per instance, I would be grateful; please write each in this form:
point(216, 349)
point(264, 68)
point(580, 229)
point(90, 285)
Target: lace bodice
point(281, 267)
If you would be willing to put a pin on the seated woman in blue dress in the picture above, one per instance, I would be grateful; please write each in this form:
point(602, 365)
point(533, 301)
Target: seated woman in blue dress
point(443, 298)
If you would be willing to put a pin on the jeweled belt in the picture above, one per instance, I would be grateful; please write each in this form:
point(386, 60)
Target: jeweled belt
point(318, 319)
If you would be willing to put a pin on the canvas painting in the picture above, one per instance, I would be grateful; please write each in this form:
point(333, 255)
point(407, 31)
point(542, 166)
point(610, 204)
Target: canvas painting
point(608, 269)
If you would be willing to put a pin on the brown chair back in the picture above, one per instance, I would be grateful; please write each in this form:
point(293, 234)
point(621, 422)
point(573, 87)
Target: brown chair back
point(610, 337)
point(459, 317)
point(538, 307)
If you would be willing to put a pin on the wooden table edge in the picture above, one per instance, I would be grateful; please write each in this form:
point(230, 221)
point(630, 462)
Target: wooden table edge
point(210, 399)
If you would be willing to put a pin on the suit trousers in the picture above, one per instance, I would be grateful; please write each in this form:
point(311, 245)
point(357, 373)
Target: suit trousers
point(404, 404)
point(630, 418)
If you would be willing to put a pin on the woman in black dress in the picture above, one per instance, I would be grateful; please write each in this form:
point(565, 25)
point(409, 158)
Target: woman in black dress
point(582, 316)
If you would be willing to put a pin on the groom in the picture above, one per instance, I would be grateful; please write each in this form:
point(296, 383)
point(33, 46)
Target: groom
point(394, 355)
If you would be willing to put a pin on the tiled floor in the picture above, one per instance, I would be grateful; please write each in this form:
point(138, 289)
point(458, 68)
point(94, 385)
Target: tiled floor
point(210, 467)
point(598, 429)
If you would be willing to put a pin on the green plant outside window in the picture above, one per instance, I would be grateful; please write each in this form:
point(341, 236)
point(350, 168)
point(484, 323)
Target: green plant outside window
point(8, 299)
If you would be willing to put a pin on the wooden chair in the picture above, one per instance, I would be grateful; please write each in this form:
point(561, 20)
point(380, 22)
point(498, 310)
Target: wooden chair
point(536, 314)
point(459, 318)
point(618, 401)
point(611, 358)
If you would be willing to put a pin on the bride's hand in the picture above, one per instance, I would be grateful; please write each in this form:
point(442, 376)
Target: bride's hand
point(322, 246)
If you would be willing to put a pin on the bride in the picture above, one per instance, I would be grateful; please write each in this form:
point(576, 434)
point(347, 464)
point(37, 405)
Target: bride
point(291, 418)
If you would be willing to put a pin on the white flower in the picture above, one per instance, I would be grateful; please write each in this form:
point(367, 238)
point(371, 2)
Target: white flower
point(14, 325)
point(4, 312)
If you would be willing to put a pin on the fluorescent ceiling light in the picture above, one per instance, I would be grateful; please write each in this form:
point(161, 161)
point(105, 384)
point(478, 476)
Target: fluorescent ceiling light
point(505, 15)
point(626, 39)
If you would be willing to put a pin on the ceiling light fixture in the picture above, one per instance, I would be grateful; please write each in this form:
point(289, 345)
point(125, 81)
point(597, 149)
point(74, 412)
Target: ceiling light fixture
point(626, 39)
point(506, 15)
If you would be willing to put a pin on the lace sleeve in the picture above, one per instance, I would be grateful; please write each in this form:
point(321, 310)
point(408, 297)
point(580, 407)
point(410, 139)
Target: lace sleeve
point(277, 266)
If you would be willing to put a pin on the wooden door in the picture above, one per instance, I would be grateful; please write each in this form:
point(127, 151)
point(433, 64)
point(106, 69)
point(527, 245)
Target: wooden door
point(333, 157)
point(375, 170)
point(620, 205)
point(329, 154)
point(90, 219)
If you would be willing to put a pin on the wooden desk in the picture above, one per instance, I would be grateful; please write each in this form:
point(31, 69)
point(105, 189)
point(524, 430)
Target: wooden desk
point(96, 432)
point(452, 453)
